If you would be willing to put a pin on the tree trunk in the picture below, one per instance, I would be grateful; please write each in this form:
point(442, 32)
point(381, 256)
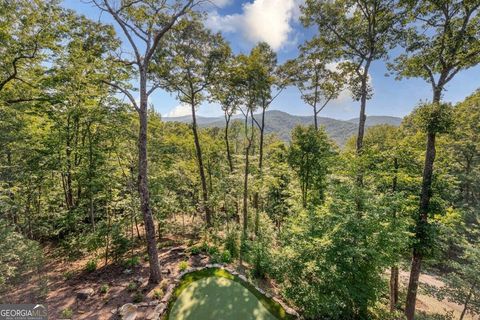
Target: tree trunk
point(201, 168)
point(315, 120)
point(260, 167)
point(143, 190)
point(90, 177)
point(227, 142)
point(361, 126)
point(467, 301)
point(422, 219)
point(394, 270)
point(393, 288)
point(422, 223)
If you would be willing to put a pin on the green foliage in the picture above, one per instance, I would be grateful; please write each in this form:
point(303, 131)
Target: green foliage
point(333, 257)
point(137, 297)
point(232, 243)
point(131, 262)
point(226, 257)
point(104, 288)
point(132, 286)
point(91, 265)
point(158, 294)
point(67, 313)
point(18, 255)
point(434, 117)
point(183, 265)
point(310, 155)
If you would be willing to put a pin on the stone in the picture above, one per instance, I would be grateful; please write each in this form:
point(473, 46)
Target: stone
point(83, 294)
point(138, 281)
point(128, 311)
point(159, 310)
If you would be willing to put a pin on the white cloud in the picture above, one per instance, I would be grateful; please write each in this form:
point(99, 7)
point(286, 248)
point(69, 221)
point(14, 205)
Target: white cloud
point(180, 110)
point(260, 20)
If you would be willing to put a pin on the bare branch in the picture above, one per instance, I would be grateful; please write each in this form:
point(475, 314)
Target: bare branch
point(125, 92)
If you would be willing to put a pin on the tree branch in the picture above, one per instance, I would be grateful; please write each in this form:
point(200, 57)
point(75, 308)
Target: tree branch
point(125, 92)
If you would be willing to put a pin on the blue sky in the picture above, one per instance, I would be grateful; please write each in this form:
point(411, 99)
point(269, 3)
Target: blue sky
point(244, 23)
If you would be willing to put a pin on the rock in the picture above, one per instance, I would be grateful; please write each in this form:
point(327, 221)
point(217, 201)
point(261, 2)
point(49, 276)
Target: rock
point(128, 311)
point(242, 277)
point(167, 296)
point(159, 310)
point(178, 249)
point(138, 281)
point(83, 294)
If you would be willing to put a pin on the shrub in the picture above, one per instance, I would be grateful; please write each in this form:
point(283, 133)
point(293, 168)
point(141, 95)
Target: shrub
point(212, 250)
point(158, 294)
point(104, 288)
point(132, 286)
point(204, 247)
point(18, 254)
point(91, 265)
point(137, 297)
point(183, 265)
point(231, 244)
point(68, 275)
point(226, 256)
point(67, 313)
point(131, 262)
point(195, 250)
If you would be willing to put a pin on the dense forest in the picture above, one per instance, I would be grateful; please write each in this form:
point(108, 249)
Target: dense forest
point(93, 183)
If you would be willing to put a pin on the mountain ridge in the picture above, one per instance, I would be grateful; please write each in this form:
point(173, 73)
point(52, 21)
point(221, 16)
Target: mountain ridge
point(282, 123)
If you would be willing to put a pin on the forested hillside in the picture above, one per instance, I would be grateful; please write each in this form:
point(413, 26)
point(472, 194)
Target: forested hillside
point(281, 124)
point(109, 211)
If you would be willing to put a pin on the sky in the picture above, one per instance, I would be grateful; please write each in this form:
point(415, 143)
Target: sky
point(245, 23)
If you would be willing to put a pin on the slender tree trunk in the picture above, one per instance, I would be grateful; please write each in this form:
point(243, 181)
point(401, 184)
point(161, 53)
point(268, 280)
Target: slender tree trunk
point(422, 219)
point(155, 275)
point(90, 177)
point(201, 168)
point(315, 120)
point(256, 199)
point(467, 301)
point(227, 141)
point(68, 163)
point(363, 105)
point(394, 270)
point(245, 188)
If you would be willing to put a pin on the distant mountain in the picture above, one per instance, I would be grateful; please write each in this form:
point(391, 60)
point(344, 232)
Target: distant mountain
point(282, 123)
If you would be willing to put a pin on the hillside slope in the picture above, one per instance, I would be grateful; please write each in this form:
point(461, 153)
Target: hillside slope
point(282, 123)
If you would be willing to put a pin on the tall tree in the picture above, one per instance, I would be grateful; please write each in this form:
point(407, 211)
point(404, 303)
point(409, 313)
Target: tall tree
point(224, 90)
point(317, 82)
point(310, 157)
point(356, 33)
point(27, 31)
point(248, 75)
point(444, 39)
point(190, 58)
point(144, 24)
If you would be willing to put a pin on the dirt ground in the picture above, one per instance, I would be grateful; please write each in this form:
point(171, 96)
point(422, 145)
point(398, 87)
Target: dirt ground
point(66, 279)
point(431, 305)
